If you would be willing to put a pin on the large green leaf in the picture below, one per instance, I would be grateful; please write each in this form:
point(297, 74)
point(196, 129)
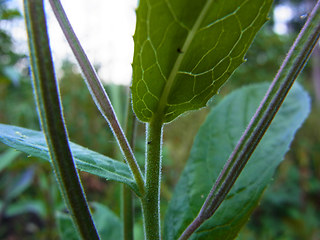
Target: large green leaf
point(185, 50)
point(214, 143)
point(34, 143)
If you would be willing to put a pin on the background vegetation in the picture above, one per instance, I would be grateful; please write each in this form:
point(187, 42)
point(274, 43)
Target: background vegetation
point(290, 208)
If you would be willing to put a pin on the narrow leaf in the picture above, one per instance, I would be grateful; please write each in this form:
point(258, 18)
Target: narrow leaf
point(34, 143)
point(185, 50)
point(214, 143)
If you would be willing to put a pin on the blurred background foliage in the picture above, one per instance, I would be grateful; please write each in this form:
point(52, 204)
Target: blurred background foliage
point(289, 209)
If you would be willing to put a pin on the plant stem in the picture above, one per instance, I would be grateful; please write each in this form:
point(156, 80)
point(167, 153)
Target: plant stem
point(151, 199)
point(98, 92)
point(288, 72)
point(49, 106)
point(127, 196)
point(127, 213)
point(49, 202)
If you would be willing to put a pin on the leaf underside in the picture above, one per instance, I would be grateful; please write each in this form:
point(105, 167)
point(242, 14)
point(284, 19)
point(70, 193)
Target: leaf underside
point(185, 50)
point(215, 141)
point(34, 143)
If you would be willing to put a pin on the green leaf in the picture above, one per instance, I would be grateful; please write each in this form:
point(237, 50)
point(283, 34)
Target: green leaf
point(34, 143)
point(18, 184)
point(108, 224)
point(185, 50)
point(213, 145)
point(7, 158)
point(25, 206)
point(66, 228)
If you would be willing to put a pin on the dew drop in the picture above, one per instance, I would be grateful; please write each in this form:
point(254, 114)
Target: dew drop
point(303, 16)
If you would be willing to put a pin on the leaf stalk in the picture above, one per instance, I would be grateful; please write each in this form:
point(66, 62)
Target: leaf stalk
point(291, 67)
point(98, 92)
point(52, 123)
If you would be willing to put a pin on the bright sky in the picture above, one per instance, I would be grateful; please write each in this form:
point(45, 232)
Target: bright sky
point(105, 30)
point(282, 14)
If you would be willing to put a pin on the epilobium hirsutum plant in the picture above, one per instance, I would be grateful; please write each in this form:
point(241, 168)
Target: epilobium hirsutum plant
point(185, 51)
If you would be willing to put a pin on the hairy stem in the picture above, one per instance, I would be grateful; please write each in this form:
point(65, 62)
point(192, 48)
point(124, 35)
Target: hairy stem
point(98, 92)
point(151, 199)
point(288, 72)
point(52, 123)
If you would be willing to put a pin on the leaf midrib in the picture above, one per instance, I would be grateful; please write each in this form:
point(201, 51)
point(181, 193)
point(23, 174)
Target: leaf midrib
point(165, 94)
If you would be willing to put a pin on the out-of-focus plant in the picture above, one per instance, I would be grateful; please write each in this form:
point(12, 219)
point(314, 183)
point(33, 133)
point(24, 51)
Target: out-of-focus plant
point(8, 56)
